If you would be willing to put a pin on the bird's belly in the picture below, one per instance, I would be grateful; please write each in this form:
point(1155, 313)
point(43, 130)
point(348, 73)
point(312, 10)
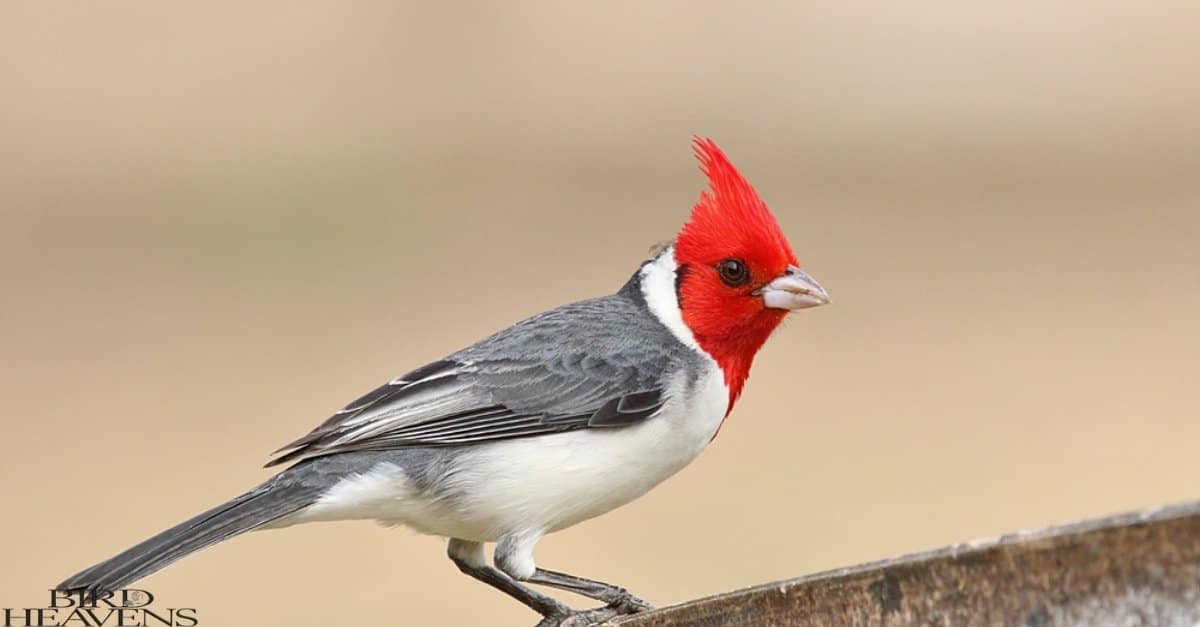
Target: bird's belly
point(542, 483)
point(551, 482)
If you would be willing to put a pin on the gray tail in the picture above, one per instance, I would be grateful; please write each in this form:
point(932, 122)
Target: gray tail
point(267, 502)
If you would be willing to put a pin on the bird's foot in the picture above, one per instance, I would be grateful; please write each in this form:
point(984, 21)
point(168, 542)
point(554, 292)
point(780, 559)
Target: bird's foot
point(627, 604)
point(579, 618)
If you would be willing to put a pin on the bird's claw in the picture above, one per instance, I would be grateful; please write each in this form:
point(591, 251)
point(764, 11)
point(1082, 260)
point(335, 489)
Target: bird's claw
point(579, 618)
point(628, 604)
point(624, 605)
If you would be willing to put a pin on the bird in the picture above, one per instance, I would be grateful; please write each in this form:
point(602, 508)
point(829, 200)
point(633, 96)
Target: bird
point(551, 421)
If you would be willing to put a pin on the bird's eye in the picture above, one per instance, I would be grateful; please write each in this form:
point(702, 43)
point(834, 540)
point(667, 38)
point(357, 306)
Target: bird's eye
point(733, 272)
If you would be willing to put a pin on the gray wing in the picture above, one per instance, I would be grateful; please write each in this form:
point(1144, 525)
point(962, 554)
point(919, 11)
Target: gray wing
point(594, 364)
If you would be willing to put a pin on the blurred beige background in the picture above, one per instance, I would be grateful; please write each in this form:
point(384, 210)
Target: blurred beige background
point(221, 222)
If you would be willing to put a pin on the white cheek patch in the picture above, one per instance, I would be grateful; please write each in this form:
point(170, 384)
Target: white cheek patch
point(658, 288)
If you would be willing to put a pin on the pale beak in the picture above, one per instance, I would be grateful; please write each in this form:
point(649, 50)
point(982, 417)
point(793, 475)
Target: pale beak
point(794, 290)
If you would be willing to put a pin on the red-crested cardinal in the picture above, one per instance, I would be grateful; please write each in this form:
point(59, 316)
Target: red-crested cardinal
point(552, 421)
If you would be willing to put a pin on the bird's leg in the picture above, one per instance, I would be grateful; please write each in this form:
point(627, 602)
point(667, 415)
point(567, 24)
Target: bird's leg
point(470, 559)
point(514, 556)
point(616, 597)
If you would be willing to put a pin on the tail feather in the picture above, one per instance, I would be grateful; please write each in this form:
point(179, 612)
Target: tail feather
point(269, 501)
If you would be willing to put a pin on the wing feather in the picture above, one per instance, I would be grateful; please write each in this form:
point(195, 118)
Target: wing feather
point(594, 364)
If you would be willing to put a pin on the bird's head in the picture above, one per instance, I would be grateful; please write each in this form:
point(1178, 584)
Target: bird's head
point(736, 274)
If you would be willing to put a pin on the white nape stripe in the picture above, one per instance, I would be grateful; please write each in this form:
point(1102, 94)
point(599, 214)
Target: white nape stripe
point(658, 288)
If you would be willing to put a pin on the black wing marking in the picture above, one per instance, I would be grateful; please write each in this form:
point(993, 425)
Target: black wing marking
point(627, 410)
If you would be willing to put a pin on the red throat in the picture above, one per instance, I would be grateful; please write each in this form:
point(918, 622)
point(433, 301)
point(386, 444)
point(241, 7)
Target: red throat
point(730, 221)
